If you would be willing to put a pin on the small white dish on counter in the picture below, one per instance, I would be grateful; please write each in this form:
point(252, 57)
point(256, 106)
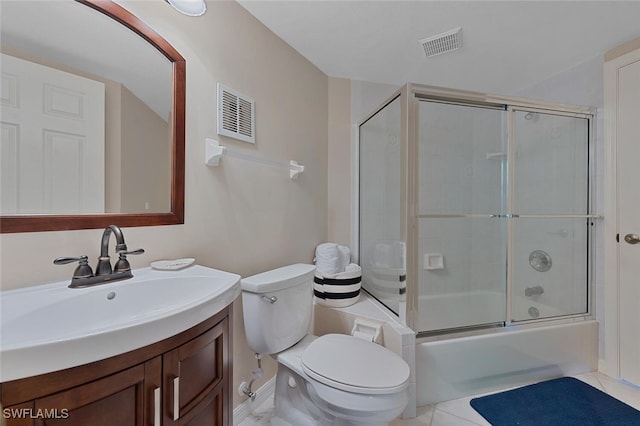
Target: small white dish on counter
point(172, 265)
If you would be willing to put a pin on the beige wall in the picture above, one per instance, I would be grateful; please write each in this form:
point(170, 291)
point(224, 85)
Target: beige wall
point(339, 173)
point(240, 217)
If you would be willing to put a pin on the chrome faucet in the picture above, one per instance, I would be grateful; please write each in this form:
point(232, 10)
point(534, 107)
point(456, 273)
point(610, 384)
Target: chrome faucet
point(83, 276)
point(533, 291)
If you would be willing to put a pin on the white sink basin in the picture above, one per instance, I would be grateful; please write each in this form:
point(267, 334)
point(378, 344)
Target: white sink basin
point(50, 327)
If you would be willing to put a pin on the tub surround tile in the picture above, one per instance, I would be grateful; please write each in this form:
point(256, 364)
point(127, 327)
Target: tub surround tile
point(324, 322)
point(408, 353)
point(369, 307)
point(411, 410)
point(392, 339)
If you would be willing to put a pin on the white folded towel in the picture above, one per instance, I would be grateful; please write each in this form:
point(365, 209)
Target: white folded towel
point(327, 258)
point(332, 258)
point(345, 257)
point(351, 271)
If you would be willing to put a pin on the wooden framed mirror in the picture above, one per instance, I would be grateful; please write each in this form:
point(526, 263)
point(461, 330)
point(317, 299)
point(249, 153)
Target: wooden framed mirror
point(145, 213)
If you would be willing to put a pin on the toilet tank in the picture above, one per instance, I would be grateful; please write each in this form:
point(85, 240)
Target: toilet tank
point(277, 307)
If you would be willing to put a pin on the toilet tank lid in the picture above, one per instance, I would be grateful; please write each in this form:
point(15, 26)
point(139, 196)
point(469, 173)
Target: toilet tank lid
point(278, 279)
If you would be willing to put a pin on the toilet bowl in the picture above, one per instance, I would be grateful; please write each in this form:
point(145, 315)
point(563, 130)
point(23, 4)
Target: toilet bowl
point(333, 379)
point(373, 392)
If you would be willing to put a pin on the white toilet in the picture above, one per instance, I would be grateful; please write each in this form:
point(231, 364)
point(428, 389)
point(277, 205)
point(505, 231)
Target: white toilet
point(335, 379)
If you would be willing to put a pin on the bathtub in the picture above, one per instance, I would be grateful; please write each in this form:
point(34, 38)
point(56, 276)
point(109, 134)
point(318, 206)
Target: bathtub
point(452, 367)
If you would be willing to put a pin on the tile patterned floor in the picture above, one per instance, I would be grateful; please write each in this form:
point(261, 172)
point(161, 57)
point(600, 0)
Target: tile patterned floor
point(460, 413)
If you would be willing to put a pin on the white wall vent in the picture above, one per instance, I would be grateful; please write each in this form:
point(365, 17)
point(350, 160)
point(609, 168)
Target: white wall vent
point(236, 115)
point(442, 43)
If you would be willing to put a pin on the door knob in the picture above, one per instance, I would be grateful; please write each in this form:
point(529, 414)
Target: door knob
point(632, 238)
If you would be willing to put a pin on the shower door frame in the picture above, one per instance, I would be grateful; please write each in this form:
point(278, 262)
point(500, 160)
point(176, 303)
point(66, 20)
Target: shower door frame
point(411, 95)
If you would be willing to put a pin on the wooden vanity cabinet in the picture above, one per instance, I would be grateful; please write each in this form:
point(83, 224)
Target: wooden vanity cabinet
point(193, 381)
point(182, 380)
point(118, 399)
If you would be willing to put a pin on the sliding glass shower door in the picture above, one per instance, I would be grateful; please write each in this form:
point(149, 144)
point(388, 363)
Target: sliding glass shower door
point(503, 215)
point(474, 212)
point(550, 200)
point(462, 156)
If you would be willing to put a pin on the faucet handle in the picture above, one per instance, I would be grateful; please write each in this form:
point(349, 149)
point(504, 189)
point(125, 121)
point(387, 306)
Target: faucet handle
point(123, 264)
point(137, 251)
point(83, 270)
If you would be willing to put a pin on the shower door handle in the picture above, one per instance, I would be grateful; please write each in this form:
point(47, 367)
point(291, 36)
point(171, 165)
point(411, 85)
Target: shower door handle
point(632, 238)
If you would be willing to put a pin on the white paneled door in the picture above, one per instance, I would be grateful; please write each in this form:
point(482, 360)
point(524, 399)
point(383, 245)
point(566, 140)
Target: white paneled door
point(52, 140)
point(628, 147)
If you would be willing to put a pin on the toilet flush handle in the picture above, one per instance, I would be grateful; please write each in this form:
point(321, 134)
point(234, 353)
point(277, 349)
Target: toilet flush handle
point(271, 299)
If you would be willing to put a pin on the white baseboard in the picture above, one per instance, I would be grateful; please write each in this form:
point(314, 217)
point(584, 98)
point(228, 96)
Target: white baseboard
point(243, 410)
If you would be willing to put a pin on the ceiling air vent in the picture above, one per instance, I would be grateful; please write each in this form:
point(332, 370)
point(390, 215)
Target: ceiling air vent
point(236, 115)
point(442, 43)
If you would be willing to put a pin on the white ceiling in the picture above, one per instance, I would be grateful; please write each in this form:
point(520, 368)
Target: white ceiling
point(507, 45)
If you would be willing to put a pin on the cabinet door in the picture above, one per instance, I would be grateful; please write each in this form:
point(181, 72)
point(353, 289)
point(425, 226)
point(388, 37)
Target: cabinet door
point(18, 415)
point(120, 399)
point(194, 380)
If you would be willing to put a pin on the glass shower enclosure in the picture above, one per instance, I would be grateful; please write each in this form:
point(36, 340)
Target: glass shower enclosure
point(474, 211)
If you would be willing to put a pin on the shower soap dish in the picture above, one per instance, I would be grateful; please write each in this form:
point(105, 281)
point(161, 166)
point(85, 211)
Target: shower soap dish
point(172, 265)
point(433, 261)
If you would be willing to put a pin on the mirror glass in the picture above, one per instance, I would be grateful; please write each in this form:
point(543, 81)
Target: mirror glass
point(92, 113)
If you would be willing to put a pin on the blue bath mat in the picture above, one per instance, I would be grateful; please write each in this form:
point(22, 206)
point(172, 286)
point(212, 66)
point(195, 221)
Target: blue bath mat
point(559, 402)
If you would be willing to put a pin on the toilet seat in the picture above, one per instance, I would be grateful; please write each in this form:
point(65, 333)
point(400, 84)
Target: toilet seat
point(354, 365)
